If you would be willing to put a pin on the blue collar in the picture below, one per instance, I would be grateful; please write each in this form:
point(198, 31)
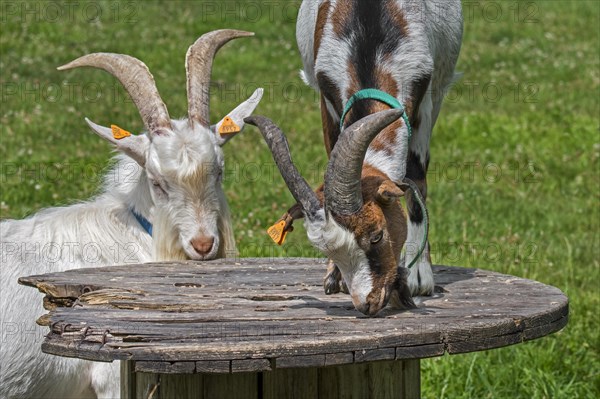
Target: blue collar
point(143, 221)
point(381, 96)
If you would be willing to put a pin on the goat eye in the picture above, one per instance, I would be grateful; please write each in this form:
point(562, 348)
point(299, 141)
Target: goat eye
point(157, 186)
point(377, 238)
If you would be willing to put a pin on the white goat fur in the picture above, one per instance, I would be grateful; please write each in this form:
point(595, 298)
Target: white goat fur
point(103, 231)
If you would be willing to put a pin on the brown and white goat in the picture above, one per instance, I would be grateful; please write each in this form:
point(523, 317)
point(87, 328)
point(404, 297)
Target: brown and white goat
point(407, 49)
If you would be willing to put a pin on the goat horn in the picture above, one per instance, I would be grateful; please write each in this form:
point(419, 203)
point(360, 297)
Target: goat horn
point(198, 66)
point(342, 191)
point(136, 79)
point(280, 150)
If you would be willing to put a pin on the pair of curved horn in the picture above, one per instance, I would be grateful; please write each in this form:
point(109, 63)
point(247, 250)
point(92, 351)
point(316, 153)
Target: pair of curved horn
point(139, 82)
point(343, 194)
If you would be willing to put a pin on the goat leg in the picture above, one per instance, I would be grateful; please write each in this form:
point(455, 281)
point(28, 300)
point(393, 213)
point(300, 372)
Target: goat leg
point(333, 281)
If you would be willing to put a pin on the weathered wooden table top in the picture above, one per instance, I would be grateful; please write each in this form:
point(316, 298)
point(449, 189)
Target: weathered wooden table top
point(258, 314)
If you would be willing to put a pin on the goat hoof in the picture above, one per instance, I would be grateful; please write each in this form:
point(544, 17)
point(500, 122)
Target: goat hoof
point(331, 285)
point(344, 287)
point(420, 280)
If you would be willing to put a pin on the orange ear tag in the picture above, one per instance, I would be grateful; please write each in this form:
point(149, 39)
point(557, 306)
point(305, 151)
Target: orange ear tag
point(119, 133)
point(277, 233)
point(228, 126)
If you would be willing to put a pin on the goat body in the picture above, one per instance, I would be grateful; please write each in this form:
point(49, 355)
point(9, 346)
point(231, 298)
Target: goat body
point(170, 176)
point(96, 233)
point(407, 49)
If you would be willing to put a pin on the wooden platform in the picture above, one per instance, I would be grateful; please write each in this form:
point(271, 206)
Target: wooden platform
point(260, 315)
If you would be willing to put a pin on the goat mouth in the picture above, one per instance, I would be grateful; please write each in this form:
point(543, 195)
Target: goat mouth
point(376, 303)
point(192, 254)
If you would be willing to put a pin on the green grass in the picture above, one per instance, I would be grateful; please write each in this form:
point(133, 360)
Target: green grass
point(514, 185)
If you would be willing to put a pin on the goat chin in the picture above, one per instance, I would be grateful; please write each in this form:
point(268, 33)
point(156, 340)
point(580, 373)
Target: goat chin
point(228, 248)
point(166, 243)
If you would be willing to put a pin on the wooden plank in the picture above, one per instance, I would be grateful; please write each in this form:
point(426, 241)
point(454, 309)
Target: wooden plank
point(213, 366)
point(483, 343)
point(230, 386)
point(420, 352)
point(411, 379)
point(128, 381)
point(386, 379)
point(334, 359)
point(541, 331)
point(147, 386)
point(380, 379)
point(296, 383)
point(347, 381)
point(250, 365)
point(300, 361)
point(180, 386)
point(165, 367)
point(374, 354)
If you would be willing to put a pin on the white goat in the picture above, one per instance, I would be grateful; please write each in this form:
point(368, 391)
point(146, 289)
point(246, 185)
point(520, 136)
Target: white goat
point(162, 201)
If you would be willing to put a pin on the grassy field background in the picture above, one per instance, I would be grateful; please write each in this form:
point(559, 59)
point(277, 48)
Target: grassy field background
point(514, 179)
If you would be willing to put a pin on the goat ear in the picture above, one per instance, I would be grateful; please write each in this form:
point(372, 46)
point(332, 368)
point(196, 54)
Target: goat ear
point(133, 146)
point(389, 192)
point(235, 119)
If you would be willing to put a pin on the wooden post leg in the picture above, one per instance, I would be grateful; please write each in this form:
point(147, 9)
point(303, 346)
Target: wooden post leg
point(382, 379)
point(139, 385)
point(182, 386)
point(411, 378)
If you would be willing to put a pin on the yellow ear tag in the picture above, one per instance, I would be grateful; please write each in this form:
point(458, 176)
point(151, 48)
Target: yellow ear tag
point(228, 126)
point(277, 233)
point(119, 133)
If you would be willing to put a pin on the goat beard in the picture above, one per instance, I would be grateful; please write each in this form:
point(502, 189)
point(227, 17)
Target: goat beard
point(167, 246)
point(166, 239)
point(227, 248)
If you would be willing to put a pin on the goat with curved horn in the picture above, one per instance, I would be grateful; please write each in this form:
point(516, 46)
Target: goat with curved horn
point(354, 227)
point(136, 79)
point(163, 197)
point(360, 65)
point(198, 65)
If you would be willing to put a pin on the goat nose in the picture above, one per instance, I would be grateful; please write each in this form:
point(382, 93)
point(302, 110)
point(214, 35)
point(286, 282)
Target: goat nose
point(368, 308)
point(203, 244)
point(363, 308)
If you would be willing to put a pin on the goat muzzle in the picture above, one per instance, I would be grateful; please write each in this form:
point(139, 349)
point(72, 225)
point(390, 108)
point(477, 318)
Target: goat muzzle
point(203, 244)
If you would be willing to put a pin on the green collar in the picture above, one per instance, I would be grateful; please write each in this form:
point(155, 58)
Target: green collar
point(375, 94)
point(381, 96)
